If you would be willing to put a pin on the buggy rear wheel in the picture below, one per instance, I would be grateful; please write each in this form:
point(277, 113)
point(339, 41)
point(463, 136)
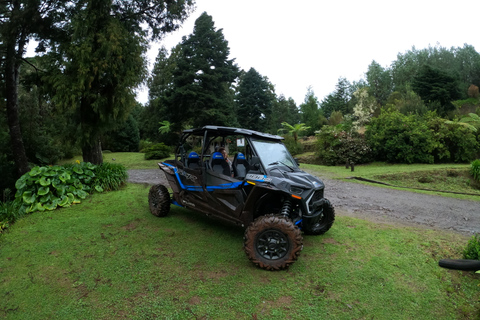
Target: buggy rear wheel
point(159, 200)
point(273, 242)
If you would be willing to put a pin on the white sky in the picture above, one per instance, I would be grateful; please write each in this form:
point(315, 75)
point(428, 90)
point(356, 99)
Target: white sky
point(303, 43)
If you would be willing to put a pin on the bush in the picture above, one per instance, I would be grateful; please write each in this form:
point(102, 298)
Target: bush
point(400, 138)
point(144, 144)
point(395, 137)
point(472, 251)
point(335, 145)
point(475, 170)
point(294, 147)
point(157, 151)
point(9, 211)
point(110, 176)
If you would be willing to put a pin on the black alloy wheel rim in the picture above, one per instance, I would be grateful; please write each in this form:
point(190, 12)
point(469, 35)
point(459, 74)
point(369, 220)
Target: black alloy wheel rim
point(272, 244)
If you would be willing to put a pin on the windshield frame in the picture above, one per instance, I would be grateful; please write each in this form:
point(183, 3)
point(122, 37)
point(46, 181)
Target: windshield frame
point(273, 154)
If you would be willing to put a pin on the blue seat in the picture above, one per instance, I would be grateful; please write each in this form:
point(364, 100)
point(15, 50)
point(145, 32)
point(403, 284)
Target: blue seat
point(193, 160)
point(240, 166)
point(219, 164)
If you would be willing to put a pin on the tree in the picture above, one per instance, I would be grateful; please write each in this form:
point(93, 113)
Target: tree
point(49, 22)
point(335, 118)
point(379, 82)
point(159, 83)
point(339, 99)
point(284, 110)
point(254, 101)
point(434, 85)
point(102, 63)
point(22, 20)
point(310, 113)
point(365, 107)
point(202, 80)
point(407, 102)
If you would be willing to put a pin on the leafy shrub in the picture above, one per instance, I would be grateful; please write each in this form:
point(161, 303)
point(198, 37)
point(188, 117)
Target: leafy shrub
point(144, 144)
point(472, 251)
point(335, 145)
point(46, 188)
point(9, 211)
point(110, 176)
point(157, 151)
point(400, 138)
point(475, 170)
point(395, 137)
point(294, 147)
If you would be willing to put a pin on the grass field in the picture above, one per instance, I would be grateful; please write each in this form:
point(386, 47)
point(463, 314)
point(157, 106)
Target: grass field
point(109, 258)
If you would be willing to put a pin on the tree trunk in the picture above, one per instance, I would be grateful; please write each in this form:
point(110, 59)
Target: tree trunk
point(12, 69)
point(93, 153)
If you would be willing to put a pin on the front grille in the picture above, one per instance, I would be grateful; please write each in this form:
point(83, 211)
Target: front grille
point(318, 195)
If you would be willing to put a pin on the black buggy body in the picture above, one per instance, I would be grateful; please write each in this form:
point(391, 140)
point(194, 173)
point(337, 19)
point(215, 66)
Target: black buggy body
point(262, 189)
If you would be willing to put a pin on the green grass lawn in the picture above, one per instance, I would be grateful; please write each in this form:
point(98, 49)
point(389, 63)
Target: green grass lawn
point(108, 257)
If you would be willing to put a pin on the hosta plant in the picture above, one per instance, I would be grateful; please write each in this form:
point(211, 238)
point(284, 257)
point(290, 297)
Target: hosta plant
point(46, 188)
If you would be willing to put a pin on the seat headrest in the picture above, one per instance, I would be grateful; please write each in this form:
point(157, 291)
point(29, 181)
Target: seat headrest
point(217, 156)
point(193, 155)
point(241, 156)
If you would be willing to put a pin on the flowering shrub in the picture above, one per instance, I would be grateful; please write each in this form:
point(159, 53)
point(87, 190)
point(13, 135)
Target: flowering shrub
point(338, 145)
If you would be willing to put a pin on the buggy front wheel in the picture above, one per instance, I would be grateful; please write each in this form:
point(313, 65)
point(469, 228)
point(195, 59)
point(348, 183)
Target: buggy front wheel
point(273, 242)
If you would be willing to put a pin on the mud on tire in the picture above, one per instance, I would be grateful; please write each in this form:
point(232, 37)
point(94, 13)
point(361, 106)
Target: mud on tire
point(159, 200)
point(273, 242)
point(324, 223)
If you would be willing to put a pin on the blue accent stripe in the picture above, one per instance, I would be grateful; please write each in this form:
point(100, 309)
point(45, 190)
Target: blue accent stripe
point(176, 203)
point(231, 185)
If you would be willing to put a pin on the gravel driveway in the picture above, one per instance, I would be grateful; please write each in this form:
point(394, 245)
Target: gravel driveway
point(380, 204)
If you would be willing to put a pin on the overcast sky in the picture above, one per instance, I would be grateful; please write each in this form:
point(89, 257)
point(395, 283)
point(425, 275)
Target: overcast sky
point(303, 43)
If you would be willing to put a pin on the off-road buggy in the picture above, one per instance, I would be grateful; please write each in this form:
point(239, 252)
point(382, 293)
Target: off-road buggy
point(262, 190)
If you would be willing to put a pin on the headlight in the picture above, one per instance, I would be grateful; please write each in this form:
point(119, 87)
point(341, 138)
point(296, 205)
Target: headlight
point(296, 190)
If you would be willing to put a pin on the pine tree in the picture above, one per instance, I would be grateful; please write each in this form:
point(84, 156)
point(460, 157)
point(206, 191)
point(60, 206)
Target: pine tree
point(202, 79)
point(310, 112)
point(254, 101)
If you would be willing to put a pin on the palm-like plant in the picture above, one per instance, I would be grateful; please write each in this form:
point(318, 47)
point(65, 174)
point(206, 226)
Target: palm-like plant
point(472, 122)
point(294, 130)
point(165, 127)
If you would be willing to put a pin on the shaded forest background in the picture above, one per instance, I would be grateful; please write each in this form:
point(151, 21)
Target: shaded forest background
point(77, 95)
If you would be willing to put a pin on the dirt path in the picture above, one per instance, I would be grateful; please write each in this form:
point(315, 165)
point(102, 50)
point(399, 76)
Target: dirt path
point(381, 204)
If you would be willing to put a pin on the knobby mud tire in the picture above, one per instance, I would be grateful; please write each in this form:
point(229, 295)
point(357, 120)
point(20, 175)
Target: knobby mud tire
point(325, 222)
point(159, 200)
point(273, 242)
point(460, 264)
